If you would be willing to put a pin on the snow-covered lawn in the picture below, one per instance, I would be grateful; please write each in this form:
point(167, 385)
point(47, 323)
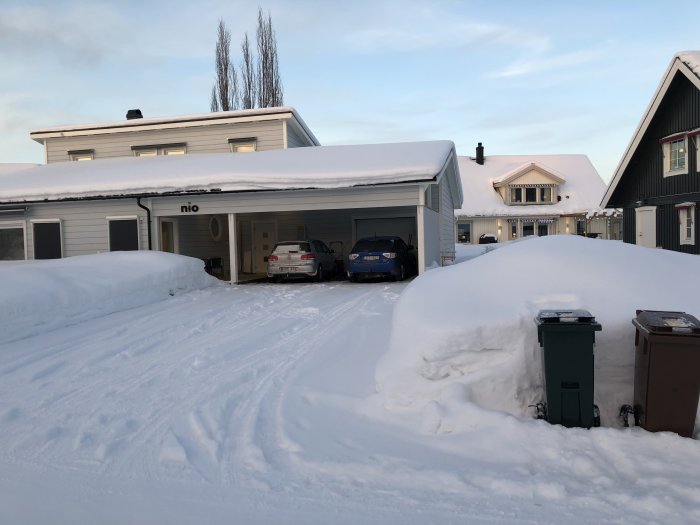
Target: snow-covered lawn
point(135, 389)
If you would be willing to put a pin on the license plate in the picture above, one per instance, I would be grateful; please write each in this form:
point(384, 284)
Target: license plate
point(371, 257)
point(288, 269)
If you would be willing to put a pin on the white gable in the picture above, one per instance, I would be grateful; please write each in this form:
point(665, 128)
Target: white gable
point(580, 190)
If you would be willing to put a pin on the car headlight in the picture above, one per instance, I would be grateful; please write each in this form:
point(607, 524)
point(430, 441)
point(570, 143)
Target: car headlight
point(353, 256)
point(390, 255)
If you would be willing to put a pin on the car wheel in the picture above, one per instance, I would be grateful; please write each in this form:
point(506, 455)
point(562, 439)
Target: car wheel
point(353, 277)
point(402, 273)
point(319, 273)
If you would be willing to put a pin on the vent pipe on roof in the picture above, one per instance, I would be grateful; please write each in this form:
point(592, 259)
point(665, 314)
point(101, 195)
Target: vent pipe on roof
point(133, 113)
point(480, 154)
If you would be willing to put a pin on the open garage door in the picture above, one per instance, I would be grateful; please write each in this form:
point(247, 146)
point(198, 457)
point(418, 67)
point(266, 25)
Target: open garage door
point(404, 227)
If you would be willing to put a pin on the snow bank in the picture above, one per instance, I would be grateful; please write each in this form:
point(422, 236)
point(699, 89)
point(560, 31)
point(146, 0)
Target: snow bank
point(465, 334)
point(39, 296)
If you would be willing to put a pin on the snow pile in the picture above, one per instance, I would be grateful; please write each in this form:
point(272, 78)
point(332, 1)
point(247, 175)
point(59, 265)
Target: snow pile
point(39, 296)
point(465, 335)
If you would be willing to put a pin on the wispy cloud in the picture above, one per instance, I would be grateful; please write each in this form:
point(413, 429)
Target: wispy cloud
point(542, 63)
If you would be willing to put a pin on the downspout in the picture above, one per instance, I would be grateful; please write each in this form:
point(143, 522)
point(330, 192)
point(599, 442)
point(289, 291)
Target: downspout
point(148, 218)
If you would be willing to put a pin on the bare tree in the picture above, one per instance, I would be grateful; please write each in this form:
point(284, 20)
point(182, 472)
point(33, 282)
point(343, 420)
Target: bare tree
point(225, 89)
point(249, 86)
point(268, 78)
point(260, 83)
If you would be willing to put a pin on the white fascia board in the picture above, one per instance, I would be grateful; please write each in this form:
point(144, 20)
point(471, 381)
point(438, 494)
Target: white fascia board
point(676, 65)
point(139, 125)
point(531, 166)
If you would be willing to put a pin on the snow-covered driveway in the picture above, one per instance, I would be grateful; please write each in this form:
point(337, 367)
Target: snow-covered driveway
point(257, 404)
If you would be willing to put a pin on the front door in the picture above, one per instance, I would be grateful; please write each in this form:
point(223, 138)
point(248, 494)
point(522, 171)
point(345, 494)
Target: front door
point(168, 236)
point(645, 219)
point(264, 239)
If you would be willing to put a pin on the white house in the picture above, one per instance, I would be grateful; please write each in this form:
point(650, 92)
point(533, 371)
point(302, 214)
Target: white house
point(227, 207)
point(513, 196)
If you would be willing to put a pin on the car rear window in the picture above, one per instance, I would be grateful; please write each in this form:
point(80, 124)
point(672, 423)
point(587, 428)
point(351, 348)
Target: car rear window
point(291, 247)
point(373, 245)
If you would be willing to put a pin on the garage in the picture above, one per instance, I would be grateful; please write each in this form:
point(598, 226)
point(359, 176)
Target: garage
point(229, 210)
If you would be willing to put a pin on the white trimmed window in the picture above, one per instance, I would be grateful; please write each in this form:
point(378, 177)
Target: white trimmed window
point(675, 153)
point(153, 150)
point(686, 220)
point(13, 241)
point(84, 154)
point(243, 145)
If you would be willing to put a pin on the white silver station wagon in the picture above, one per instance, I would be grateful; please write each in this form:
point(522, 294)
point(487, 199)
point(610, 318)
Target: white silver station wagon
point(301, 259)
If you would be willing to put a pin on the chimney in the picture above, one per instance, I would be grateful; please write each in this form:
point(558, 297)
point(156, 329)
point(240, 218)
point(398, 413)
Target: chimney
point(133, 113)
point(480, 154)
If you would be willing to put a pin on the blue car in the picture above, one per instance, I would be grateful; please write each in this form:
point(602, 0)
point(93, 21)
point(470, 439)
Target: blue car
point(387, 256)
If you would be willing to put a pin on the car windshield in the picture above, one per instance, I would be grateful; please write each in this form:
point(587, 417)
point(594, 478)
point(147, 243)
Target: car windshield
point(374, 245)
point(292, 247)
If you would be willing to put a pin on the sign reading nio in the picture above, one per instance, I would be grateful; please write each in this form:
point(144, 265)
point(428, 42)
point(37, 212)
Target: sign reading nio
point(189, 208)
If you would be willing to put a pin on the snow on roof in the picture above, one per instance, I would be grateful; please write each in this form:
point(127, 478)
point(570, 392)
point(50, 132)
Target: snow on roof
point(691, 59)
point(581, 190)
point(15, 167)
point(296, 168)
point(139, 123)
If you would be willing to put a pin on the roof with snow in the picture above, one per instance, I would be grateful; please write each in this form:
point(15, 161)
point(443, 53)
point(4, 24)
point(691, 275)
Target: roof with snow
point(580, 188)
point(141, 124)
point(684, 62)
point(319, 167)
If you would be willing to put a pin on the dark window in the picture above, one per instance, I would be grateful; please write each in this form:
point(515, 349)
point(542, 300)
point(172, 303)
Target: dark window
point(464, 232)
point(374, 245)
point(580, 227)
point(123, 235)
point(513, 230)
point(12, 244)
point(528, 229)
point(47, 240)
point(516, 195)
point(530, 194)
point(542, 230)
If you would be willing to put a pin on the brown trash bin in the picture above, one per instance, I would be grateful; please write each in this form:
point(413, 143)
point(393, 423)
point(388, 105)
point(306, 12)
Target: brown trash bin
point(666, 371)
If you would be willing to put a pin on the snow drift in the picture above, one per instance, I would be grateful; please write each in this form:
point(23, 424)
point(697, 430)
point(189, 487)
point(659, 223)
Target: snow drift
point(40, 296)
point(465, 334)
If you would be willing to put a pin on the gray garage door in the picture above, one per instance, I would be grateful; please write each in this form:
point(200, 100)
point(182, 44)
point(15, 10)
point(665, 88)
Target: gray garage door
point(404, 227)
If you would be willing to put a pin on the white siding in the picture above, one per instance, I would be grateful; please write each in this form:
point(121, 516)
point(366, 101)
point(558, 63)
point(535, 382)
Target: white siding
point(447, 221)
point(432, 241)
point(199, 139)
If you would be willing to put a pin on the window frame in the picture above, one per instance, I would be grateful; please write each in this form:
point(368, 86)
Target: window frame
point(686, 222)
point(34, 222)
point(123, 218)
point(79, 155)
point(465, 223)
point(16, 225)
point(238, 145)
point(667, 150)
point(154, 150)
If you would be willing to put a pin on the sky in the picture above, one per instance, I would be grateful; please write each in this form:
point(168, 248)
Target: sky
point(523, 78)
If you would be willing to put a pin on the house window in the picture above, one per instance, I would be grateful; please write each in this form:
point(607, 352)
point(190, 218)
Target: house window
point(528, 229)
point(153, 150)
point(545, 194)
point(47, 239)
point(79, 155)
point(243, 145)
point(686, 216)
point(123, 233)
point(513, 230)
point(464, 232)
point(12, 243)
point(516, 195)
point(530, 194)
point(675, 154)
point(542, 230)
point(580, 227)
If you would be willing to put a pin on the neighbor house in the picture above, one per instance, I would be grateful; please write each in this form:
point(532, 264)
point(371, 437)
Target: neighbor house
point(513, 196)
point(183, 185)
point(657, 182)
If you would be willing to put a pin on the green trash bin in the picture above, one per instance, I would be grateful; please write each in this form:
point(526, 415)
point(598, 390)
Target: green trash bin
point(567, 337)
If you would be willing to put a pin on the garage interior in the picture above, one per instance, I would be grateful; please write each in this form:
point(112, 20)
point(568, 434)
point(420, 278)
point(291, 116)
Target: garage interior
point(207, 236)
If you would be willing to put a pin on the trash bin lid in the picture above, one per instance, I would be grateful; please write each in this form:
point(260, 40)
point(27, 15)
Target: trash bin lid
point(565, 316)
point(668, 322)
